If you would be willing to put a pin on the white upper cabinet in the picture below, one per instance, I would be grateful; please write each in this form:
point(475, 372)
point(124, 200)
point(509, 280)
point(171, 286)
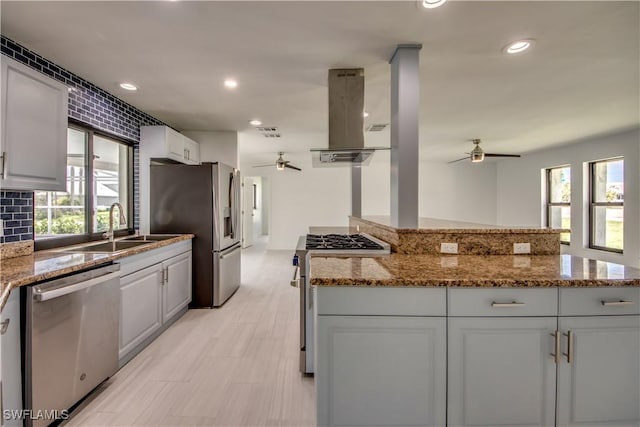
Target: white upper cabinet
point(191, 152)
point(162, 142)
point(34, 129)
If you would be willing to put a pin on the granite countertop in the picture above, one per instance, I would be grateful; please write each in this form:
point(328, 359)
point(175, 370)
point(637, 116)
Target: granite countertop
point(43, 265)
point(470, 271)
point(435, 225)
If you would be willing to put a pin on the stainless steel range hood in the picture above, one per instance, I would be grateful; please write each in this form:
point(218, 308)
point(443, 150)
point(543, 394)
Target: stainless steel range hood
point(346, 122)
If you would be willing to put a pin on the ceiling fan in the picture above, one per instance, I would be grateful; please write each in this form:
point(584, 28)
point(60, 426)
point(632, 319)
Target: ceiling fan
point(280, 163)
point(477, 154)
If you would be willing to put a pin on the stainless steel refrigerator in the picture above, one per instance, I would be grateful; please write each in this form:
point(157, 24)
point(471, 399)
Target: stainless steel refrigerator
point(203, 200)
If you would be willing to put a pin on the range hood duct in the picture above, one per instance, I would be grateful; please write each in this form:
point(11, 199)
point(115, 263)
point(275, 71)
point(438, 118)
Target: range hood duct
point(346, 121)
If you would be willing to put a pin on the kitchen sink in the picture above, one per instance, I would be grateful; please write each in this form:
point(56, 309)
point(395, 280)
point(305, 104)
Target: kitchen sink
point(108, 247)
point(150, 237)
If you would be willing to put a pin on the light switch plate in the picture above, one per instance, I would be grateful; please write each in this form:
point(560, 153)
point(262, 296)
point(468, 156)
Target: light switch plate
point(449, 248)
point(1, 227)
point(522, 248)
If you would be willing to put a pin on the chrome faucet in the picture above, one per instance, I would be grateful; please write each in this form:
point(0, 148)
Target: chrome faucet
point(123, 220)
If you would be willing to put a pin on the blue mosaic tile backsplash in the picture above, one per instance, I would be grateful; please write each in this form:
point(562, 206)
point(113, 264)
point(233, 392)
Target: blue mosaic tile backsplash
point(16, 210)
point(88, 104)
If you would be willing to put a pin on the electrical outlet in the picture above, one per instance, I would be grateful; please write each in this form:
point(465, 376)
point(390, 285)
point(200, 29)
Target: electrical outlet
point(449, 261)
point(449, 248)
point(521, 261)
point(522, 248)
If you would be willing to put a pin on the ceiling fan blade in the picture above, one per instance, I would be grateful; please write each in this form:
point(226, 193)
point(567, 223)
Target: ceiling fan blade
point(500, 155)
point(263, 166)
point(287, 165)
point(464, 158)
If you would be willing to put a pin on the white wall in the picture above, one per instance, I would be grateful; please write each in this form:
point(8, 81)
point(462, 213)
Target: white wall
point(520, 190)
point(216, 146)
point(298, 200)
point(459, 191)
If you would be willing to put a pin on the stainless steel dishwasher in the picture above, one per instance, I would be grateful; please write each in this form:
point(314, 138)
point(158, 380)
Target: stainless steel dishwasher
point(72, 339)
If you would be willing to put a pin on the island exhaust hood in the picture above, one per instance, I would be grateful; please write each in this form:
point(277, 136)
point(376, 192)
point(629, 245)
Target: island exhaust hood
point(346, 122)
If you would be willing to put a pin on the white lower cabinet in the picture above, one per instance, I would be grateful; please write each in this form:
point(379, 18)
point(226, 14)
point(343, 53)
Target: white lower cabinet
point(599, 376)
point(176, 292)
point(381, 371)
point(140, 307)
point(155, 288)
point(501, 372)
point(526, 357)
point(11, 360)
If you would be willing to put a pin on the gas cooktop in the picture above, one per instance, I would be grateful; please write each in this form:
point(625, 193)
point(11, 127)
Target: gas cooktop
point(341, 241)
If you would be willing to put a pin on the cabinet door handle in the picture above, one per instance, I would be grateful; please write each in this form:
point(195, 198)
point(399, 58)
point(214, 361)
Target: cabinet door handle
point(556, 339)
point(4, 165)
point(507, 304)
point(616, 303)
point(166, 276)
point(569, 353)
point(5, 326)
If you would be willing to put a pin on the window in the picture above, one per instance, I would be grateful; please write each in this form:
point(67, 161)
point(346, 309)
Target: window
point(92, 187)
point(559, 200)
point(606, 217)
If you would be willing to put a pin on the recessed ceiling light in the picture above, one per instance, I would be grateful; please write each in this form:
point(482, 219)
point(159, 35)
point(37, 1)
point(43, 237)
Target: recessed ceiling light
point(432, 4)
point(255, 122)
point(230, 83)
point(518, 46)
point(365, 114)
point(128, 86)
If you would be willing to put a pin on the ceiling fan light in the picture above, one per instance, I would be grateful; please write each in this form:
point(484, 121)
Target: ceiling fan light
point(477, 157)
point(280, 166)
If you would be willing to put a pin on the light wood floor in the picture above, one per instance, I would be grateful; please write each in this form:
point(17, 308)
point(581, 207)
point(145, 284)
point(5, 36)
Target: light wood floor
point(232, 366)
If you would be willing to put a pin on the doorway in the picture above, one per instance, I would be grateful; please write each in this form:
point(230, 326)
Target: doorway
point(255, 210)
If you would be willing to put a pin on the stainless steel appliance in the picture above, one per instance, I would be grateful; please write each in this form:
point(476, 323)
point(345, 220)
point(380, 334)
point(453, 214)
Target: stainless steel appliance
point(359, 244)
point(346, 122)
point(71, 343)
point(203, 200)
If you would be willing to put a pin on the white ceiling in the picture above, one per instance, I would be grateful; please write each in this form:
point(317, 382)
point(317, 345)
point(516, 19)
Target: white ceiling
point(581, 78)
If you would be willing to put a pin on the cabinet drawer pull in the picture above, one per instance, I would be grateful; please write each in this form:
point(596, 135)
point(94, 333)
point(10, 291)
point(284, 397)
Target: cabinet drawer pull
point(616, 303)
point(569, 353)
point(5, 326)
point(507, 304)
point(556, 355)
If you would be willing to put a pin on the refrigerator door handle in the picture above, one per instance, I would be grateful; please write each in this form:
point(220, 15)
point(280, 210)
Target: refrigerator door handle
point(229, 251)
point(232, 204)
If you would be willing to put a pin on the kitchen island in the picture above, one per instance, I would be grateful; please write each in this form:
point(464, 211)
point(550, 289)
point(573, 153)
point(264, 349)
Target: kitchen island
point(500, 340)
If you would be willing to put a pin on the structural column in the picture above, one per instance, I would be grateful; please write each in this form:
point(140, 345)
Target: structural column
point(405, 153)
point(356, 191)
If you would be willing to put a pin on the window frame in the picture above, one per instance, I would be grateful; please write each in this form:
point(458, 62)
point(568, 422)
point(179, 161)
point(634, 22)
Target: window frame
point(551, 204)
point(88, 236)
point(593, 205)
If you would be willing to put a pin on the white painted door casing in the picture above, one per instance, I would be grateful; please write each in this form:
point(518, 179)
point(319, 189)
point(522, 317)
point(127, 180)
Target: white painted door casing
point(600, 387)
point(34, 120)
point(355, 354)
point(176, 290)
point(501, 372)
